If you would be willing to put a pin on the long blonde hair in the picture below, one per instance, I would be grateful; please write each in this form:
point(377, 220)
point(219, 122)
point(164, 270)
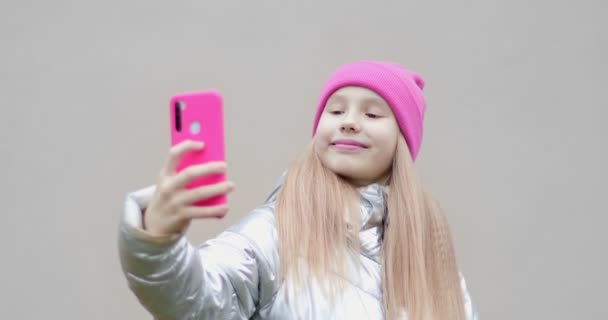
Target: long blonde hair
point(316, 224)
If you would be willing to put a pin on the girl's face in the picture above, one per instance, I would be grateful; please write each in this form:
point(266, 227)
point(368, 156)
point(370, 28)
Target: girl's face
point(357, 136)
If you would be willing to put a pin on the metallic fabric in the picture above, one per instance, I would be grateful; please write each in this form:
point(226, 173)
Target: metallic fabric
point(235, 275)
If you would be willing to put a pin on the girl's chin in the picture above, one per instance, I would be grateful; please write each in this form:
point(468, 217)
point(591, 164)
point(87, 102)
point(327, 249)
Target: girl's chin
point(358, 180)
point(354, 179)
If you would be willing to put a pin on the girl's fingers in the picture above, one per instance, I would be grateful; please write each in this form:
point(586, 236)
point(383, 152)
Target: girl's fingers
point(205, 212)
point(185, 176)
point(204, 192)
point(176, 152)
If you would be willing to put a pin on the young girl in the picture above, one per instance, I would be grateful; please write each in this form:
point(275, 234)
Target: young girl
point(348, 233)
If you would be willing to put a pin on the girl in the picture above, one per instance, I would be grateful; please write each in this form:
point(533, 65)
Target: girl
point(348, 233)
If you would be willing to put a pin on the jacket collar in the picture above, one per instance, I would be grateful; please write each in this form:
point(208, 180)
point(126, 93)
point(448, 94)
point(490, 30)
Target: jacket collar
point(373, 212)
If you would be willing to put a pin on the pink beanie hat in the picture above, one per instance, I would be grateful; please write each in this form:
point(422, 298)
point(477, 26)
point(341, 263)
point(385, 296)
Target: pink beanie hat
point(400, 88)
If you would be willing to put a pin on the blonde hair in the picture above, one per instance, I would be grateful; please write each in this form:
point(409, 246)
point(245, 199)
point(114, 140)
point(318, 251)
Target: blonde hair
point(318, 224)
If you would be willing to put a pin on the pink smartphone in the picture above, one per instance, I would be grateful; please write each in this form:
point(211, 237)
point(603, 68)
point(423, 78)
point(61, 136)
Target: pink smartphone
point(199, 116)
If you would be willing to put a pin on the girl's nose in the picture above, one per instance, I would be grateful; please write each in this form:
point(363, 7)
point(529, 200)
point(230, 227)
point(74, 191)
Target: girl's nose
point(349, 124)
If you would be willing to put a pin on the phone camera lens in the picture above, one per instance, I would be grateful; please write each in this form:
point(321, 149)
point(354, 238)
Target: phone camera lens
point(179, 106)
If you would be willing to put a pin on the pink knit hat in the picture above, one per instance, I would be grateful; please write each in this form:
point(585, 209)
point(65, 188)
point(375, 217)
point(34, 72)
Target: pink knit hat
point(400, 88)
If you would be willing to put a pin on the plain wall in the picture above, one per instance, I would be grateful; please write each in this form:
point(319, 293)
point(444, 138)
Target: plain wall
point(514, 145)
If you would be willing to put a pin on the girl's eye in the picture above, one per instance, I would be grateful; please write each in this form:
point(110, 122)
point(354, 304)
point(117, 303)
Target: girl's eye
point(336, 112)
point(373, 116)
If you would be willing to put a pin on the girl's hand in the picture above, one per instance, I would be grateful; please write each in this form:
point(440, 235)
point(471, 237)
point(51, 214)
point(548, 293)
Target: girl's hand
point(170, 210)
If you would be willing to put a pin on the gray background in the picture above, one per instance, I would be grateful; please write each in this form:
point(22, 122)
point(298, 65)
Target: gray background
point(514, 144)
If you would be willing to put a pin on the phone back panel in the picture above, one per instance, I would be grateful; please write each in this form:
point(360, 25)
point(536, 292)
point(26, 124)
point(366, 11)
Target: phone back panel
point(199, 116)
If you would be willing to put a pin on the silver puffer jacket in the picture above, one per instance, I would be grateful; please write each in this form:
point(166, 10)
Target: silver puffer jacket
point(234, 276)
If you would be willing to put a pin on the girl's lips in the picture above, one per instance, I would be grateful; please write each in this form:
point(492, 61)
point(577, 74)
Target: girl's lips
point(348, 145)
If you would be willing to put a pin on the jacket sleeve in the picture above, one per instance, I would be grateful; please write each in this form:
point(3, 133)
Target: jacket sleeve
point(227, 277)
point(469, 309)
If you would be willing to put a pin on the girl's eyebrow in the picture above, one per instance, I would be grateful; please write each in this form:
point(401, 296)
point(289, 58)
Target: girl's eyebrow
point(337, 97)
point(367, 102)
point(374, 100)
